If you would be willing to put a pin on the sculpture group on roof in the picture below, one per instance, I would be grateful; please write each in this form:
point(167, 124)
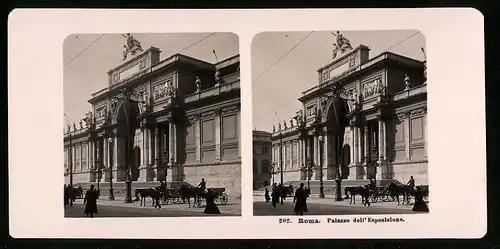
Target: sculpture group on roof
point(341, 44)
point(133, 46)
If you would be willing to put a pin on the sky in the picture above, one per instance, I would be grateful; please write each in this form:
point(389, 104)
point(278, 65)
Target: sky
point(86, 73)
point(277, 88)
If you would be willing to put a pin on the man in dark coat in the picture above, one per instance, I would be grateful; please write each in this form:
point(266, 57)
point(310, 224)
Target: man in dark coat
point(411, 183)
point(275, 196)
point(211, 207)
point(300, 200)
point(90, 201)
point(267, 196)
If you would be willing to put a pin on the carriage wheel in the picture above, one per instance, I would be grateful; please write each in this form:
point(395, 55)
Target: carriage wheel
point(223, 198)
point(164, 200)
point(374, 198)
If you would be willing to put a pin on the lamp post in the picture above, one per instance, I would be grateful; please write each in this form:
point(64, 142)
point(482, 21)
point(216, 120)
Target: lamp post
point(99, 174)
point(338, 183)
point(111, 195)
point(308, 169)
point(321, 191)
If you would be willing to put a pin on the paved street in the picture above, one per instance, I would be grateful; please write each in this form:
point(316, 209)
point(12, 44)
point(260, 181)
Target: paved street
point(118, 208)
point(328, 207)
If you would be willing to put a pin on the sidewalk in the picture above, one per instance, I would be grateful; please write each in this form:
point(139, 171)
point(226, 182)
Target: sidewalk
point(330, 199)
point(232, 207)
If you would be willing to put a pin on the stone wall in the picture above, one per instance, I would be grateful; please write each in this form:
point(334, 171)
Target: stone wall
point(402, 172)
point(217, 176)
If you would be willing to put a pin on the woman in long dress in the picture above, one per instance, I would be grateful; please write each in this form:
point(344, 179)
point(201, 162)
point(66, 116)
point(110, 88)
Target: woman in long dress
point(211, 207)
point(90, 202)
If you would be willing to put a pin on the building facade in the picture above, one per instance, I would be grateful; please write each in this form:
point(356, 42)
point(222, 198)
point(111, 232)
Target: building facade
point(366, 118)
point(175, 120)
point(262, 171)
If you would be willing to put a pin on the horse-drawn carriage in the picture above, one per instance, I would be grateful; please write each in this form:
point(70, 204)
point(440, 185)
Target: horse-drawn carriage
point(180, 195)
point(390, 192)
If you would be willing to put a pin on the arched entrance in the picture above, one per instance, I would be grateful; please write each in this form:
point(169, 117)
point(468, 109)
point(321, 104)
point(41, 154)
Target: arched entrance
point(336, 122)
point(126, 120)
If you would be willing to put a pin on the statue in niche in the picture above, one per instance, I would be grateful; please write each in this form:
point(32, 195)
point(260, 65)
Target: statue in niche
point(274, 128)
point(217, 77)
point(197, 82)
point(74, 126)
point(284, 124)
point(145, 100)
point(351, 101)
point(407, 82)
point(341, 44)
point(169, 86)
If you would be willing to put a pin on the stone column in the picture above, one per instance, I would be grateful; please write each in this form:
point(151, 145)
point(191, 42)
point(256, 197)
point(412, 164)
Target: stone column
point(197, 135)
point(147, 162)
point(382, 171)
point(353, 169)
point(407, 136)
point(151, 150)
point(359, 153)
point(105, 160)
point(115, 156)
point(366, 148)
point(217, 121)
point(172, 152)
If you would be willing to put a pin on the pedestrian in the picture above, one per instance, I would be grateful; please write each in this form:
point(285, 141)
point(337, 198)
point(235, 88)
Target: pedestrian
point(411, 183)
point(211, 207)
point(300, 200)
point(267, 196)
point(90, 202)
point(275, 196)
point(420, 205)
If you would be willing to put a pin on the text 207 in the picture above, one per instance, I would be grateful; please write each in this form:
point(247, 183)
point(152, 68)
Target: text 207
point(285, 220)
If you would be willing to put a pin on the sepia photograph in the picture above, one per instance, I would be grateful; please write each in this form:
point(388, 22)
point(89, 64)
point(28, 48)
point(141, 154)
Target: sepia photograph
point(340, 123)
point(152, 125)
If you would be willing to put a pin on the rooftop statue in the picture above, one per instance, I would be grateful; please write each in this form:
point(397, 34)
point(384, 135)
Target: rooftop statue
point(132, 46)
point(197, 82)
point(341, 44)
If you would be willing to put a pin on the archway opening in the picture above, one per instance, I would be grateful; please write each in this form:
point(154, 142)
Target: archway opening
point(346, 160)
point(336, 122)
point(126, 126)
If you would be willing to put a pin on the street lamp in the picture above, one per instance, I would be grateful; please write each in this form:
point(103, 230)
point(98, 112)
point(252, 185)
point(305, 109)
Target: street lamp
point(99, 174)
point(338, 182)
point(321, 192)
point(111, 196)
point(309, 169)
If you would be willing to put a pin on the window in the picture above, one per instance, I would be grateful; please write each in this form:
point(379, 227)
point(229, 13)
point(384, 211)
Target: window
point(265, 166)
point(265, 150)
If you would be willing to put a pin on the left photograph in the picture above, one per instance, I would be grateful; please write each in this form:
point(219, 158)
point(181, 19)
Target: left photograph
point(152, 125)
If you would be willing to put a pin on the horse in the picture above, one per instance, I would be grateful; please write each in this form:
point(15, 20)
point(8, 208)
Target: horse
point(397, 190)
point(187, 192)
point(154, 193)
point(363, 191)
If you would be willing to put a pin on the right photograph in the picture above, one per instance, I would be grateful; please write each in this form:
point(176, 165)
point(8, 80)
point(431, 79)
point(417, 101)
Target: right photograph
point(340, 123)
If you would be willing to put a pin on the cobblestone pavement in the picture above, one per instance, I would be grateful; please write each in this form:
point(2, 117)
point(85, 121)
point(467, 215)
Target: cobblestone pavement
point(118, 208)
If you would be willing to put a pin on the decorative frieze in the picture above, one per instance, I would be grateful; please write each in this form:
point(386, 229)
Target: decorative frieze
point(411, 113)
point(372, 88)
point(209, 114)
point(229, 109)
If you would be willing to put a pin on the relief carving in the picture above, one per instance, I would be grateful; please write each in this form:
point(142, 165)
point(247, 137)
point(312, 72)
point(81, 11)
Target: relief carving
point(418, 111)
point(101, 113)
point(193, 118)
point(208, 114)
point(372, 88)
point(229, 109)
point(159, 92)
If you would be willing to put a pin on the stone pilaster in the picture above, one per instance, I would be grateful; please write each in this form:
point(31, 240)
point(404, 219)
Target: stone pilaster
point(217, 121)
point(366, 148)
point(382, 170)
point(197, 134)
